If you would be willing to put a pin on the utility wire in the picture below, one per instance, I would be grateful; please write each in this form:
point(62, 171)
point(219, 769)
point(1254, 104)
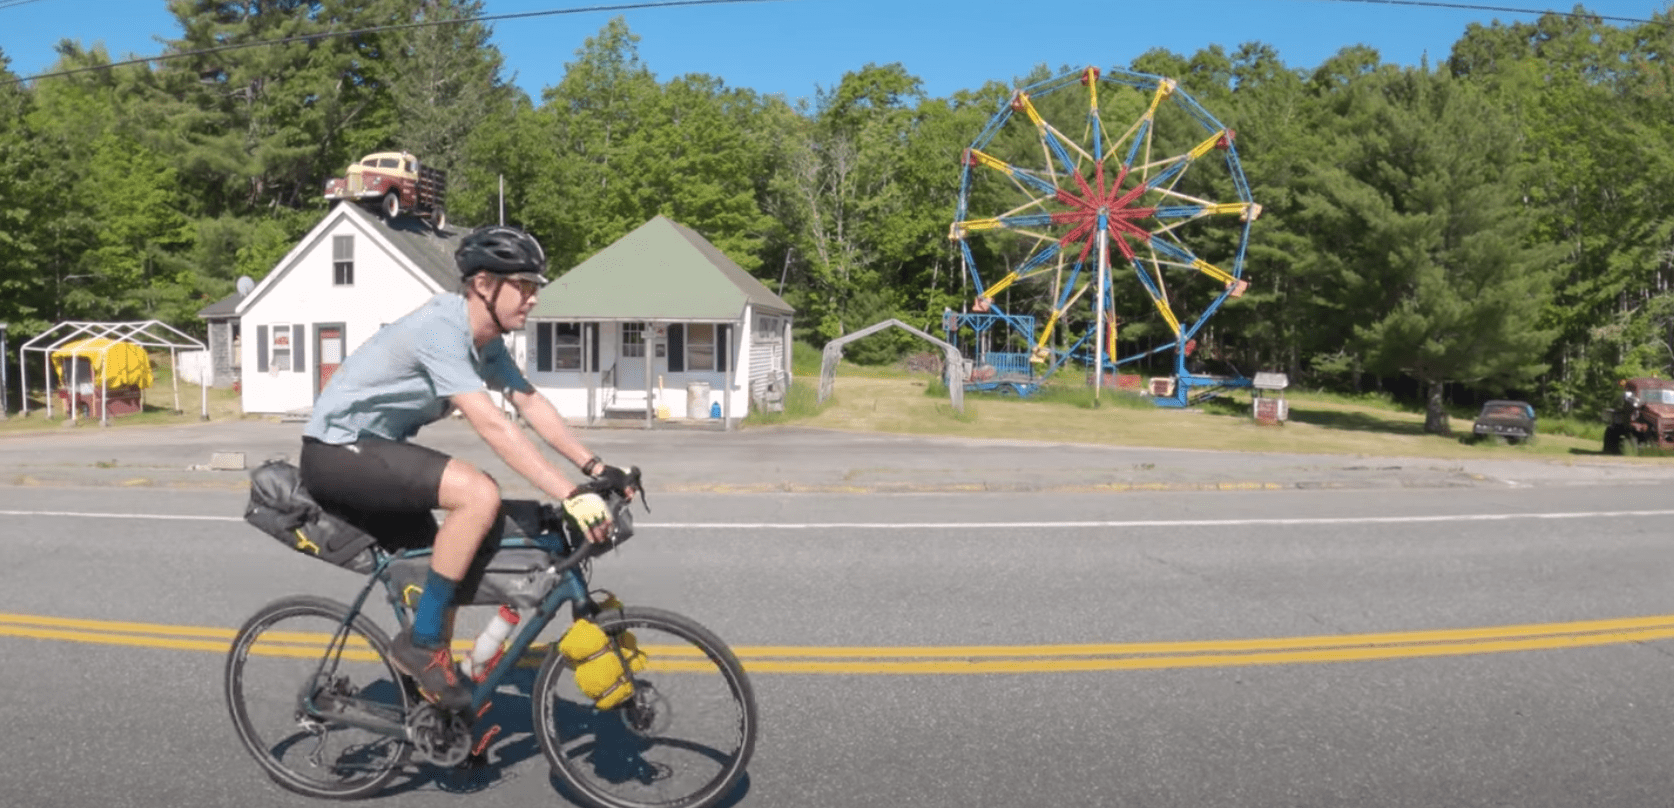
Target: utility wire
point(1505, 10)
point(14, 3)
point(377, 29)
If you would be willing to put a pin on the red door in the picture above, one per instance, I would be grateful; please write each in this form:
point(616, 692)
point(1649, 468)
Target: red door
point(328, 346)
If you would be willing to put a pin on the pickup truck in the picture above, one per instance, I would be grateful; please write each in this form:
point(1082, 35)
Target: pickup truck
point(395, 182)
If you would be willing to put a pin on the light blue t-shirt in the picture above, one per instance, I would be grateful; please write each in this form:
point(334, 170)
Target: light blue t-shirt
point(401, 378)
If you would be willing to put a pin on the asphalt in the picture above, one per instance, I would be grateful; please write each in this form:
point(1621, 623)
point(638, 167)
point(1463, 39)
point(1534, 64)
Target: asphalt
point(792, 459)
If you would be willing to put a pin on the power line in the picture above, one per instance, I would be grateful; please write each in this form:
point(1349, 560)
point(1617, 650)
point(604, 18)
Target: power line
point(1506, 10)
point(15, 3)
point(374, 30)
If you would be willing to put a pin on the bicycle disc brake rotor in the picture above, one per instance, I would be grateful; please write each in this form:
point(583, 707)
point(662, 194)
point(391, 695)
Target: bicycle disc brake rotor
point(439, 737)
point(647, 713)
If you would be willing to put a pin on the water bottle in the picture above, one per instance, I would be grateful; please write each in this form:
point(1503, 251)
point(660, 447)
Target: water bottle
point(491, 642)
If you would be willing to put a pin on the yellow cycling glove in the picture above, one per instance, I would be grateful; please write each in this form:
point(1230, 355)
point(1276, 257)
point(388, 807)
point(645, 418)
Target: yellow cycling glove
point(588, 510)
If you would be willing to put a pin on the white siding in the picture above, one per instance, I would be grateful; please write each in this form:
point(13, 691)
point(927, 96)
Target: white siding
point(384, 289)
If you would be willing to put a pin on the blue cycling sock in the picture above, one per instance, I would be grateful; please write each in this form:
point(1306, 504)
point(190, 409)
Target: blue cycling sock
point(433, 606)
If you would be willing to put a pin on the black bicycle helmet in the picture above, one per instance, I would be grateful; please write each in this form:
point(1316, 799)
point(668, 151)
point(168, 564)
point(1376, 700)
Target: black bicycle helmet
point(504, 251)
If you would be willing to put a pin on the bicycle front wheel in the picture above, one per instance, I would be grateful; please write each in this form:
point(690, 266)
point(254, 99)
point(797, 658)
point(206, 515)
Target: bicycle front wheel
point(295, 717)
point(681, 741)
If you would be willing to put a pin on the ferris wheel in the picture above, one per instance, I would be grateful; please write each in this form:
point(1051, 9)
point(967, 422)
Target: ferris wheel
point(1132, 235)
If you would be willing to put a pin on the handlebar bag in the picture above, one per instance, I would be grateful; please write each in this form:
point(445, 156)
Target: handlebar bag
point(280, 507)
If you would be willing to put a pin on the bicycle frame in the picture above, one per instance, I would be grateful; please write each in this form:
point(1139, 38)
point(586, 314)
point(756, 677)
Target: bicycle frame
point(571, 588)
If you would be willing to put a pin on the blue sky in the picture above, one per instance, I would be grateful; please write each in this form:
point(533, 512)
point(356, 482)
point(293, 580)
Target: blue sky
point(791, 47)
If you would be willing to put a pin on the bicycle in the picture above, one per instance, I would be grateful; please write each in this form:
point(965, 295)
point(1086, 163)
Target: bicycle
point(342, 722)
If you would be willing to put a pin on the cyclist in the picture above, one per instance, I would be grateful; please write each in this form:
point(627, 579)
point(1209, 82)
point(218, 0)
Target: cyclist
point(446, 355)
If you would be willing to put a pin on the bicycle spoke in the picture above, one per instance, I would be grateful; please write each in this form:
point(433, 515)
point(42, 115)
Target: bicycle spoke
point(681, 740)
point(290, 714)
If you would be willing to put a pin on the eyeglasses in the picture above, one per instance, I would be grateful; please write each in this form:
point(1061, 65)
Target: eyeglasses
point(525, 289)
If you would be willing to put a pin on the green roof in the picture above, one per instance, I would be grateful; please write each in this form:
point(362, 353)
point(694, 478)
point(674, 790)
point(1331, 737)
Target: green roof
point(660, 271)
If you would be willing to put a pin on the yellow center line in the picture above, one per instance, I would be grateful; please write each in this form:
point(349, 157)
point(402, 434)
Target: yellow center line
point(975, 659)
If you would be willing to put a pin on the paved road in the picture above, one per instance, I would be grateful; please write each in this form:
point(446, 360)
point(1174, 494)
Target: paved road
point(1426, 635)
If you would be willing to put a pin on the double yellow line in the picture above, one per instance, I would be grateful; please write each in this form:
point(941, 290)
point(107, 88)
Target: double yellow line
point(954, 659)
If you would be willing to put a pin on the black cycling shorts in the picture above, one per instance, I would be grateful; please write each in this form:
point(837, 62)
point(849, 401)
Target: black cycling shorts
point(388, 489)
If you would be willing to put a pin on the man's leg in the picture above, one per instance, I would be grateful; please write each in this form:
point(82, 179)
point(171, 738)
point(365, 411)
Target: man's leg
point(472, 500)
point(393, 486)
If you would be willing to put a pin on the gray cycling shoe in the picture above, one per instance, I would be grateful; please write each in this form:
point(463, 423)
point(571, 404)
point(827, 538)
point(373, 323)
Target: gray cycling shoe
point(439, 680)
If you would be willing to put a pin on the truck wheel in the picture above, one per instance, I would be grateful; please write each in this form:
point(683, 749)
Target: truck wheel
point(392, 205)
point(441, 218)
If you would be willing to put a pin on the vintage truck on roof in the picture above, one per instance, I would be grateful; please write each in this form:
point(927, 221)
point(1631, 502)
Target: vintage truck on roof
point(395, 181)
point(1643, 417)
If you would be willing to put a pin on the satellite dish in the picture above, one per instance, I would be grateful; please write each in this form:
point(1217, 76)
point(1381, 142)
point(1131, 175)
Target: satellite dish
point(245, 285)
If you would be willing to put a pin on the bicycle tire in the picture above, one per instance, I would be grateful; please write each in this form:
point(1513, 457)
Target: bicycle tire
point(605, 761)
point(267, 691)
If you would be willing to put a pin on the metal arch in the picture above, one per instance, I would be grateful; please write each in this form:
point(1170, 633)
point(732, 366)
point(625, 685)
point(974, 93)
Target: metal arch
point(833, 353)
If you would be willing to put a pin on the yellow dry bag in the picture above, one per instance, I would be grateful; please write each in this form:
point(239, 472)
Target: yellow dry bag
point(598, 663)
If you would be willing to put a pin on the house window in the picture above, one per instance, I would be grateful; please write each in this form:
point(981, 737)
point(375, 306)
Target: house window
point(343, 260)
point(558, 346)
point(279, 348)
point(700, 346)
point(633, 339)
point(566, 346)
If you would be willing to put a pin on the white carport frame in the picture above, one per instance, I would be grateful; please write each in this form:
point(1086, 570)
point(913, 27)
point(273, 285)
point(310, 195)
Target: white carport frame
point(146, 333)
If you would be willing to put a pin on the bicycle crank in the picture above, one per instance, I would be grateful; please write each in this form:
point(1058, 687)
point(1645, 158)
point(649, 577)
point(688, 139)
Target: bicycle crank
point(439, 737)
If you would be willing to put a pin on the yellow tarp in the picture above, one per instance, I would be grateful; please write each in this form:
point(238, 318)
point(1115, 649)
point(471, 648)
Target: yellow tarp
point(115, 364)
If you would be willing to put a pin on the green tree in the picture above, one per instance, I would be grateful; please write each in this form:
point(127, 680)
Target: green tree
point(1436, 245)
point(842, 188)
point(259, 128)
point(1592, 100)
point(445, 82)
point(582, 194)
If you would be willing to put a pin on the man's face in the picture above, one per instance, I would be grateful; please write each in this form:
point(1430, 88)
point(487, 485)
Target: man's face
point(513, 301)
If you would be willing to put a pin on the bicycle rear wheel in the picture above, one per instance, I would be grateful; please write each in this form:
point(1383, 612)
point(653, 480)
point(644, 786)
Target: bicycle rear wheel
point(288, 710)
point(681, 741)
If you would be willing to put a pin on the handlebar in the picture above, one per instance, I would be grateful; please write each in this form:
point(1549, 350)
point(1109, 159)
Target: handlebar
point(618, 490)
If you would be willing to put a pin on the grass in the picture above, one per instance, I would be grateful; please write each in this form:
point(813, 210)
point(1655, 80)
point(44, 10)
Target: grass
point(892, 400)
point(158, 410)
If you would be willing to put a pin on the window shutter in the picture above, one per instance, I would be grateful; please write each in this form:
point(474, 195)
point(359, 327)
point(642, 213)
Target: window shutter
point(543, 347)
point(299, 348)
point(593, 353)
point(723, 346)
point(261, 349)
point(676, 348)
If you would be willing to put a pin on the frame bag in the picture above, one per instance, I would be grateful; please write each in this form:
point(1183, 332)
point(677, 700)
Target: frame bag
point(282, 508)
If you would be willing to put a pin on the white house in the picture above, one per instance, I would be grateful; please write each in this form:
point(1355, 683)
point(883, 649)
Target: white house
point(660, 324)
point(354, 273)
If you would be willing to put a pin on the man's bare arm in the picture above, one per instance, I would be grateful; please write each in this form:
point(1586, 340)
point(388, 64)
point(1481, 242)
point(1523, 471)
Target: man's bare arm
point(508, 441)
point(547, 423)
